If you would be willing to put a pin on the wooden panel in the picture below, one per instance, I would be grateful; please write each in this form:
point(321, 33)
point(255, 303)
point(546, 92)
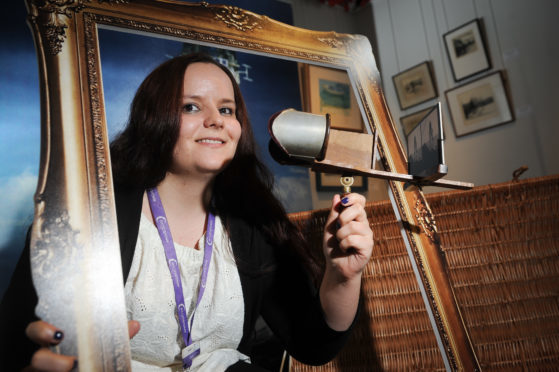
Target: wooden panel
point(350, 148)
point(457, 12)
point(409, 33)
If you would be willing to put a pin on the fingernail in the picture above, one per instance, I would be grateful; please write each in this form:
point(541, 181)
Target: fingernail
point(345, 200)
point(58, 335)
point(338, 225)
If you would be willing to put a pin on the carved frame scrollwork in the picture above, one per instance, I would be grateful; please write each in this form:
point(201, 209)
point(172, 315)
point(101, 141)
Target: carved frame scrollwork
point(74, 200)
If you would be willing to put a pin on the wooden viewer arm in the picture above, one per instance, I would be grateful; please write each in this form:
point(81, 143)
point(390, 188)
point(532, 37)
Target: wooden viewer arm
point(353, 153)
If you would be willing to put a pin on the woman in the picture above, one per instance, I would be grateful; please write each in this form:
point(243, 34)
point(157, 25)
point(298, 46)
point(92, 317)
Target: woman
point(187, 157)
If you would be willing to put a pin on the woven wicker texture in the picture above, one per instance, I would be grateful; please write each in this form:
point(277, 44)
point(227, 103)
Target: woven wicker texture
point(501, 243)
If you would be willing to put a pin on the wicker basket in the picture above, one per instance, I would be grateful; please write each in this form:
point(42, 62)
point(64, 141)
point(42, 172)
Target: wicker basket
point(501, 243)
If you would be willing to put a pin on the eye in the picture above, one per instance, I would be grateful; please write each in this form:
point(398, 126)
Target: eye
point(190, 107)
point(227, 111)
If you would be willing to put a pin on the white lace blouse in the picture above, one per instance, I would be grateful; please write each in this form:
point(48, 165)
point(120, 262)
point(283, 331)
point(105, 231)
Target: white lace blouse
point(150, 299)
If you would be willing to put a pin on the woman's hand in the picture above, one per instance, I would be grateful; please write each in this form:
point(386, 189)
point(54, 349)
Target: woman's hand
point(348, 238)
point(347, 245)
point(45, 335)
point(44, 359)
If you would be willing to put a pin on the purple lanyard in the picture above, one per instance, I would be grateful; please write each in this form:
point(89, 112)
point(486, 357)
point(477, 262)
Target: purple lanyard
point(192, 349)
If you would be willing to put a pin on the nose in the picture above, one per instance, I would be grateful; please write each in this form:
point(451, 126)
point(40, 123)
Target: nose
point(214, 119)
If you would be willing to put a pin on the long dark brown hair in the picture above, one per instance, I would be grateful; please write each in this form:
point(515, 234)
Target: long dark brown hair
point(142, 154)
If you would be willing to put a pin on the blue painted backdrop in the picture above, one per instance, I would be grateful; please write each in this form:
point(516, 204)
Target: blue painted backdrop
point(125, 59)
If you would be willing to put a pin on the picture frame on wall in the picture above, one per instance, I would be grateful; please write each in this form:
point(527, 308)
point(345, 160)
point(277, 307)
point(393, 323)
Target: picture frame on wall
point(480, 104)
point(415, 85)
point(327, 90)
point(467, 50)
point(410, 121)
point(331, 182)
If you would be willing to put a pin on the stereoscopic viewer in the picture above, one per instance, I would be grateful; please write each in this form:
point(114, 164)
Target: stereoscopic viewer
point(304, 139)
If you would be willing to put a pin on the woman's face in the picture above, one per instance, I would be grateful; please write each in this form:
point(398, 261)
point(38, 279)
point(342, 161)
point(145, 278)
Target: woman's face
point(209, 130)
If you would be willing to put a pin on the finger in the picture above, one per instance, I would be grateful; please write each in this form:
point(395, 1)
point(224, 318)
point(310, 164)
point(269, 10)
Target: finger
point(334, 208)
point(133, 328)
point(352, 199)
point(354, 228)
point(333, 215)
point(355, 212)
point(43, 333)
point(359, 244)
point(47, 361)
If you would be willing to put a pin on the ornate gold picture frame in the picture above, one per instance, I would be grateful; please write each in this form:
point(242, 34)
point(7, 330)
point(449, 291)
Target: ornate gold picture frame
point(74, 240)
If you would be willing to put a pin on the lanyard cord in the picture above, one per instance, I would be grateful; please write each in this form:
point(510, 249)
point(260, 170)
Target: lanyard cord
point(170, 253)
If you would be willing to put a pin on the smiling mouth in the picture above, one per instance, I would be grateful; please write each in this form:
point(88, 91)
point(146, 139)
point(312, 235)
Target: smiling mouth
point(212, 141)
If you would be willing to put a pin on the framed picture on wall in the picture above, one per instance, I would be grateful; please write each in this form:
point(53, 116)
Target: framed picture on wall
point(415, 85)
point(480, 104)
point(466, 50)
point(410, 121)
point(331, 182)
point(327, 90)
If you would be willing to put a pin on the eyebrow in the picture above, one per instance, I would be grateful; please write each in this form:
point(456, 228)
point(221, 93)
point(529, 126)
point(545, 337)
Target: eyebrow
point(227, 100)
point(224, 100)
